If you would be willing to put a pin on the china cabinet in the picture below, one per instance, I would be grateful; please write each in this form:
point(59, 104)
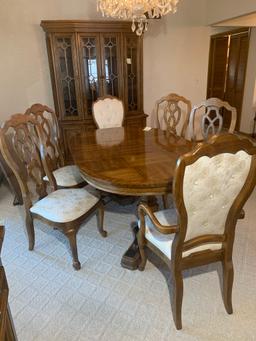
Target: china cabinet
point(90, 59)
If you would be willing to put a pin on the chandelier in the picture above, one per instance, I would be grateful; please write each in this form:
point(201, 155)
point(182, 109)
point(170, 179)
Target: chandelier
point(138, 11)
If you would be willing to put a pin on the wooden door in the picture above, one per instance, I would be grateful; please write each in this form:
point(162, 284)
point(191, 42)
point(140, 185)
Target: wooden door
point(217, 67)
point(227, 69)
point(239, 45)
point(66, 67)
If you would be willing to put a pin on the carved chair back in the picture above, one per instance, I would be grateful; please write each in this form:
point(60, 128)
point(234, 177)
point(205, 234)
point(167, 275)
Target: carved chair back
point(206, 118)
point(108, 112)
point(211, 185)
point(18, 147)
point(50, 135)
point(173, 114)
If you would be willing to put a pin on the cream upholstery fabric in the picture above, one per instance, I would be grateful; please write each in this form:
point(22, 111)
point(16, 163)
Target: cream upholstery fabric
point(164, 241)
point(209, 189)
point(68, 176)
point(65, 205)
point(108, 113)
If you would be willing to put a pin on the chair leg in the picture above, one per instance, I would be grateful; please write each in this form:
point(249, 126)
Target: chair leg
point(100, 220)
point(177, 296)
point(141, 244)
point(30, 231)
point(71, 234)
point(228, 277)
point(165, 200)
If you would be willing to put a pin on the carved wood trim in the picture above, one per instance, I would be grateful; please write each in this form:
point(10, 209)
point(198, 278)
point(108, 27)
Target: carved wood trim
point(17, 143)
point(49, 135)
point(211, 125)
point(172, 112)
point(85, 26)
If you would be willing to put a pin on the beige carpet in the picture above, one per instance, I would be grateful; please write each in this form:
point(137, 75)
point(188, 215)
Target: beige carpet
point(50, 301)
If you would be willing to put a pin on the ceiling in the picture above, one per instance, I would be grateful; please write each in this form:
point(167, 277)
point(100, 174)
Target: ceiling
point(245, 20)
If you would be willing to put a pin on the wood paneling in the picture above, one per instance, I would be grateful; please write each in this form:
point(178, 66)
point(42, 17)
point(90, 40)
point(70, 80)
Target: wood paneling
point(227, 69)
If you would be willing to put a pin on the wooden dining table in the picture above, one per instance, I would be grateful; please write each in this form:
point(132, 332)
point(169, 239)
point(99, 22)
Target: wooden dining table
point(129, 161)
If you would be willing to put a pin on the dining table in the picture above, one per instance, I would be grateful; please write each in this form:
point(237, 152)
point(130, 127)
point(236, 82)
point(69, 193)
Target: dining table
point(129, 161)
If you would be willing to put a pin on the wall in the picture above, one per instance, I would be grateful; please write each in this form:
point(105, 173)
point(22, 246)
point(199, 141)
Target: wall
point(249, 102)
point(218, 10)
point(24, 67)
point(176, 52)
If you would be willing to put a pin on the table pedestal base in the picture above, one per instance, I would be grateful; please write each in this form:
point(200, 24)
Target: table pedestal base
point(131, 258)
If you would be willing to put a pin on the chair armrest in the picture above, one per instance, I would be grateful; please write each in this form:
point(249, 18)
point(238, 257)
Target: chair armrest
point(144, 209)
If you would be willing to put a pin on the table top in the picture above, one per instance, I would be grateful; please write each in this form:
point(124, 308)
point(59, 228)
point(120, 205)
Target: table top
point(128, 160)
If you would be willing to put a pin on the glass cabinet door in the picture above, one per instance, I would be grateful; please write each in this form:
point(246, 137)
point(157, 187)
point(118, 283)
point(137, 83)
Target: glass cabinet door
point(133, 63)
point(111, 65)
point(68, 87)
point(90, 69)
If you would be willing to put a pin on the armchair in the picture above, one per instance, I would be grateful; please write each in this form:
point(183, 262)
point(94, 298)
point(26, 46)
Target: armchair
point(210, 187)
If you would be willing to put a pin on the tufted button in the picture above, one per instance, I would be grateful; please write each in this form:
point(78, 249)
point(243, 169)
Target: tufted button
point(196, 183)
point(211, 196)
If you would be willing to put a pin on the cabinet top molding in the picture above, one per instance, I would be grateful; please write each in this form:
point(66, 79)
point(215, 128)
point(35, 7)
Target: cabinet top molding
point(85, 26)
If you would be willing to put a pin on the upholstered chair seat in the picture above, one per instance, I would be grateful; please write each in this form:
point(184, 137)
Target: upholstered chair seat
point(163, 242)
point(67, 176)
point(65, 205)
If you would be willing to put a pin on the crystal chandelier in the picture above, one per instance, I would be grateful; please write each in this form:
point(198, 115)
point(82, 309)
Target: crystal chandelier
point(138, 11)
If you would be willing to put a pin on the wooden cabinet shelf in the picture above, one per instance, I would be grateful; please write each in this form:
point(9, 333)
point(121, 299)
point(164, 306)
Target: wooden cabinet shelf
point(90, 59)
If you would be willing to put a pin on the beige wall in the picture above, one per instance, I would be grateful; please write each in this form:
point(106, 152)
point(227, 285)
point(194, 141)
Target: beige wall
point(24, 71)
point(218, 10)
point(175, 52)
point(249, 102)
point(176, 56)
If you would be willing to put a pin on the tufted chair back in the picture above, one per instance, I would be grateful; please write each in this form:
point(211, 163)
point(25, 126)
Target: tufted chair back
point(108, 112)
point(210, 188)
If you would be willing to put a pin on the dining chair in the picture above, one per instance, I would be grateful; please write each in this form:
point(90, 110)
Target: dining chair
point(108, 112)
point(64, 209)
point(172, 112)
point(206, 119)
point(211, 185)
point(57, 173)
